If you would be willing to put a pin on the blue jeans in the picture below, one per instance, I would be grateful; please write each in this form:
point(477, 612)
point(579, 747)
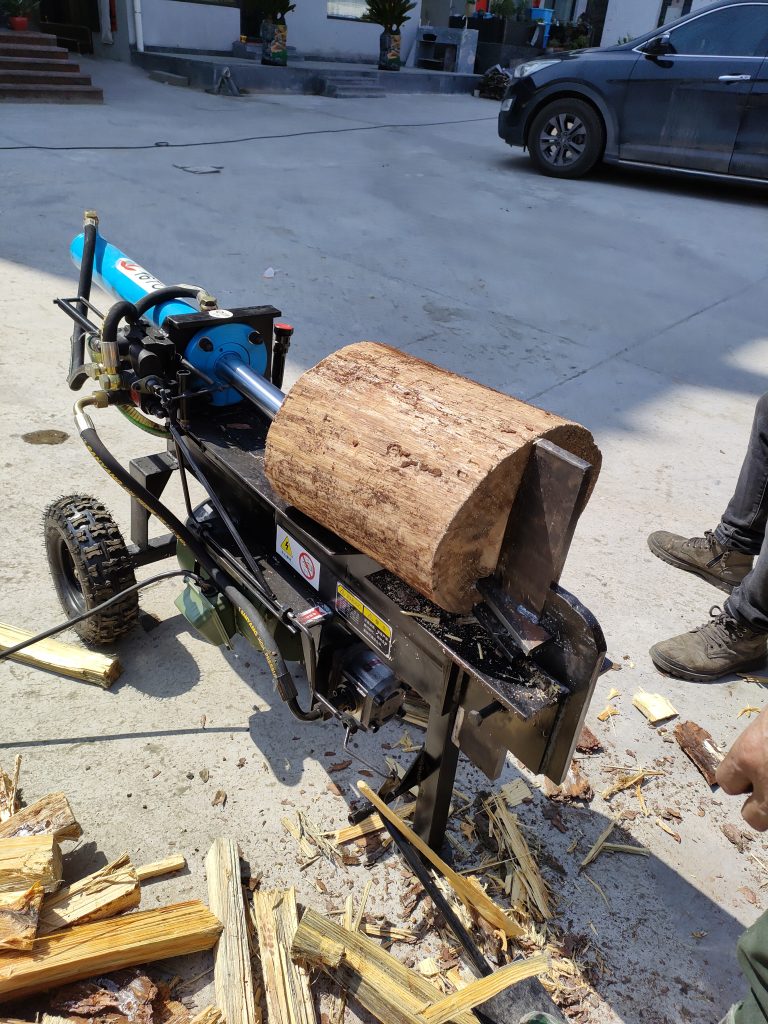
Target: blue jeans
point(743, 526)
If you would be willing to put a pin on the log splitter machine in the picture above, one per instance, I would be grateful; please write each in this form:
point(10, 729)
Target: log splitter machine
point(514, 674)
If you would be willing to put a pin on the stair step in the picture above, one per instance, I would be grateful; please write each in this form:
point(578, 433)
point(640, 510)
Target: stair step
point(42, 78)
point(51, 94)
point(351, 94)
point(43, 52)
point(27, 38)
point(38, 64)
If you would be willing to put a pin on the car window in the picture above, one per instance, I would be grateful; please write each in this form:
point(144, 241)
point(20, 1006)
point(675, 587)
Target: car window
point(737, 31)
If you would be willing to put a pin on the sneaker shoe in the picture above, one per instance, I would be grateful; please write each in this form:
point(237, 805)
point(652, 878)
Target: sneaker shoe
point(704, 556)
point(719, 647)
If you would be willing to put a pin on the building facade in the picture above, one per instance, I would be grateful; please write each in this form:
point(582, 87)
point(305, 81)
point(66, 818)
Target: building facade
point(625, 19)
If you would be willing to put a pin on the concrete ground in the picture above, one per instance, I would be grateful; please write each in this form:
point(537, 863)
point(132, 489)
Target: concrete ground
point(633, 303)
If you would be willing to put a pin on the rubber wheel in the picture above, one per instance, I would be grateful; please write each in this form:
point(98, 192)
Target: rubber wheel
point(89, 563)
point(566, 138)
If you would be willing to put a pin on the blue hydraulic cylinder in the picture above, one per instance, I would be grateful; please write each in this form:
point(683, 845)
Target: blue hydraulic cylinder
point(122, 278)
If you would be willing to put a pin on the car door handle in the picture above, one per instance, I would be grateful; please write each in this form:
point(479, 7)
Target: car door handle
point(735, 78)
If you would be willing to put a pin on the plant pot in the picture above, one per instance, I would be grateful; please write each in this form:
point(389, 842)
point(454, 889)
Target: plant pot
point(274, 43)
point(18, 22)
point(389, 51)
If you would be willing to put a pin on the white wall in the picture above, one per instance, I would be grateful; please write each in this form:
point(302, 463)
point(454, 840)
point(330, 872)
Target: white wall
point(312, 32)
point(629, 18)
point(192, 26)
point(189, 26)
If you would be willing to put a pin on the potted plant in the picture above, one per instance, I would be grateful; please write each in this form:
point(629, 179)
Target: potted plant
point(274, 32)
point(18, 12)
point(391, 15)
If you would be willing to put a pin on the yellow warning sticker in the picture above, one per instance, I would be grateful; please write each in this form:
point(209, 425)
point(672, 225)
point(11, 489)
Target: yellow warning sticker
point(286, 546)
point(364, 619)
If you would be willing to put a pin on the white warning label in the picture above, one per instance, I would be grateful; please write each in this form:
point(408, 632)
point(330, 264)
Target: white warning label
point(297, 556)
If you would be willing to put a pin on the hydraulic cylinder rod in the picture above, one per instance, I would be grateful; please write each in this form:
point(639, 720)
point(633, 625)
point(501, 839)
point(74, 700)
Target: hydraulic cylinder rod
point(264, 395)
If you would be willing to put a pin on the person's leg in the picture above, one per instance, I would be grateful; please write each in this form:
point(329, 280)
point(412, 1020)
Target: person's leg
point(748, 602)
point(742, 527)
point(752, 951)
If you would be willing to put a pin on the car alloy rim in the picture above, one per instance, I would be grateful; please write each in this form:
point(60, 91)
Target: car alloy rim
point(563, 139)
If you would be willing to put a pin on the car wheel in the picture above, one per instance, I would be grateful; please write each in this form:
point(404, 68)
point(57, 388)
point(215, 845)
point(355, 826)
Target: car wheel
point(566, 138)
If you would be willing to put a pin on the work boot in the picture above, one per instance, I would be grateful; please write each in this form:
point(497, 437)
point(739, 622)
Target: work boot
point(721, 646)
point(704, 556)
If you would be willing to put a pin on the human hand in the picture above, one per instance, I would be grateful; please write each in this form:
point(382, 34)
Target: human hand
point(745, 770)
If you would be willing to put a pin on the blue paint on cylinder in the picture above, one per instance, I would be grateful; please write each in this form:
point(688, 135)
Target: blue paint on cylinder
point(123, 278)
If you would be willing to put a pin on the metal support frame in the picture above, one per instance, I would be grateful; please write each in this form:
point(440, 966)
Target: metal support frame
point(152, 472)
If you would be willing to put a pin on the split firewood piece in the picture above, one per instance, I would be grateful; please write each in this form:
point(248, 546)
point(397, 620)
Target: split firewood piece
point(599, 844)
point(63, 659)
point(699, 746)
point(9, 790)
point(49, 815)
point(108, 891)
point(482, 989)
point(641, 851)
point(655, 706)
point(25, 860)
point(389, 932)
point(19, 916)
point(232, 974)
point(289, 1000)
point(210, 1015)
point(102, 946)
point(368, 826)
point(393, 993)
point(468, 891)
point(166, 866)
point(506, 828)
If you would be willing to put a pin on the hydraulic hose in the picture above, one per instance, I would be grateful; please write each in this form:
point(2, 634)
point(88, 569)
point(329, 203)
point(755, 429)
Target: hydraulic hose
point(161, 295)
point(143, 422)
point(247, 610)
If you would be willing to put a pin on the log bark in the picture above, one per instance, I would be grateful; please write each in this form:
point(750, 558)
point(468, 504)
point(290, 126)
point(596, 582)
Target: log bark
point(50, 815)
point(102, 946)
point(19, 916)
point(233, 977)
point(393, 993)
point(414, 465)
point(108, 891)
point(698, 744)
point(63, 659)
point(25, 860)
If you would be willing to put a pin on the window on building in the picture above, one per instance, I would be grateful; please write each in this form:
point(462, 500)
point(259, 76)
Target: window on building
point(347, 8)
point(737, 31)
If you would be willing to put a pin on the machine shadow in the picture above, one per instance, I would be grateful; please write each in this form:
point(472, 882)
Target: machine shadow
point(668, 919)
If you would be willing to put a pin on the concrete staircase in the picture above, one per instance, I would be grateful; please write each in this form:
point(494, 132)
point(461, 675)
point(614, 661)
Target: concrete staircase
point(33, 69)
point(353, 86)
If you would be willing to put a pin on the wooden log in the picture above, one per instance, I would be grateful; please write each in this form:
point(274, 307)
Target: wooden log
point(25, 860)
point(63, 659)
point(49, 815)
point(289, 999)
point(386, 988)
point(232, 975)
point(468, 891)
point(102, 946)
point(19, 916)
point(698, 744)
point(414, 465)
point(166, 866)
point(108, 891)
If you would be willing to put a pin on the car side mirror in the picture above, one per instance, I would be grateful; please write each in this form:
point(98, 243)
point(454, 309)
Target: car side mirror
point(659, 46)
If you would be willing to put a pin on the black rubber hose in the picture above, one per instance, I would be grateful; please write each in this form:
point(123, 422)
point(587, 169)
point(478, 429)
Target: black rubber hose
point(156, 298)
point(77, 375)
point(283, 679)
point(117, 311)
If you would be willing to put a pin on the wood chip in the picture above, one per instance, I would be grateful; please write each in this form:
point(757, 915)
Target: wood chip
point(587, 742)
point(738, 837)
point(749, 710)
point(219, 799)
point(654, 706)
point(699, 746)
point(575, 787)
point(608, 712)
point(670, 832)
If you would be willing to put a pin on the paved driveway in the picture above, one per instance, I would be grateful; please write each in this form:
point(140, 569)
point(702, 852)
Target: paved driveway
point(633, 303)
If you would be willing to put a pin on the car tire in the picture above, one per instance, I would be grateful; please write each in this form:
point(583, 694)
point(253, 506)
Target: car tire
point(566, 138)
